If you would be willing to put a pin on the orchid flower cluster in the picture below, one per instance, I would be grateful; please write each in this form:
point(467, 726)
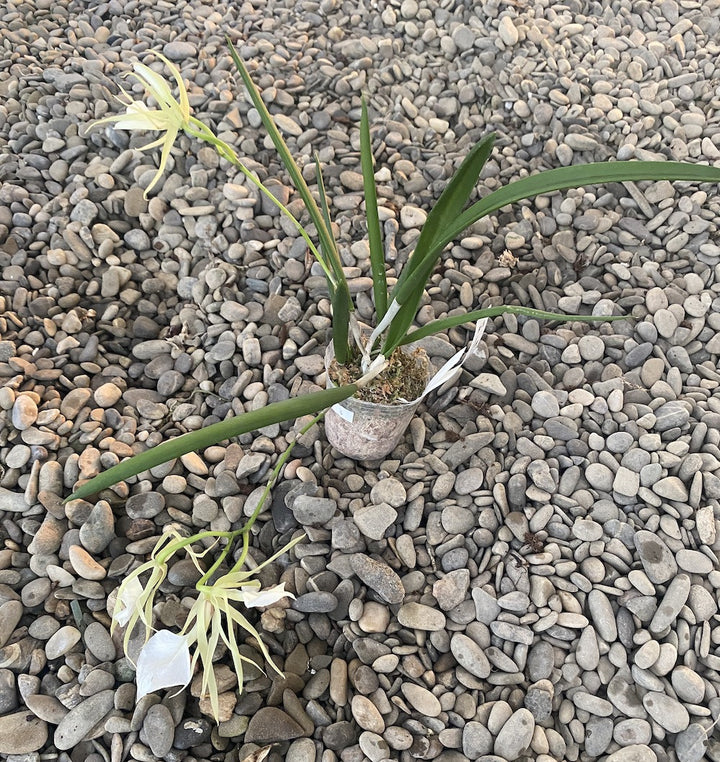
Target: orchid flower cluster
point(169, 659)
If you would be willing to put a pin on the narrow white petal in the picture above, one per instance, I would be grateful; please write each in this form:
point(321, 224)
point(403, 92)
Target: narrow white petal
point(253, 598)
point(163, 663)
point(155, 84)
point(128, 596)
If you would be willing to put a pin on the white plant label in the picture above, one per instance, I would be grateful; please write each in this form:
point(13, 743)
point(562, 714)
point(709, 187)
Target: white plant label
point(343, 412)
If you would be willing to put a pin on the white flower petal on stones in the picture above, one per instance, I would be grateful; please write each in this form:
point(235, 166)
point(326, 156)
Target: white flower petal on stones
point(129, 596)
point(253, 598)
point(164, 662)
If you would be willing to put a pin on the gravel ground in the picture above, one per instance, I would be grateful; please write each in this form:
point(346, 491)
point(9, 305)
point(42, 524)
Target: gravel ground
point(533, 573)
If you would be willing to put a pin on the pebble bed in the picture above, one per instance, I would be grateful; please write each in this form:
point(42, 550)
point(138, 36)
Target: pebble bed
point(533, 573)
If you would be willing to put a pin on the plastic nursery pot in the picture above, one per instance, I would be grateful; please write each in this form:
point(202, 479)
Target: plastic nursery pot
point(365, 430)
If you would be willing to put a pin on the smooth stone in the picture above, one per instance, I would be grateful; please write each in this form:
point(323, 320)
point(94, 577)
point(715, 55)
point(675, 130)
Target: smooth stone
point(366, 714)
point(666, 711)
point(271, 725)
point(421, 699)
point(587, 652)
point(22, 733)
point(634, 753)
point(379, 577)
point(84, 564)
point(674, 599)
point(315, 602)
point(657, 559)
point(99, 529)
point(598, 736)
point(603, 616)
point(515, 735)
point(81, 719)
point(313, 511)
point(47, 708)
point(477, 740)
point(10, 614)
point(159, 729)
point(688, 685)
point(470, 655)
point(421, 617)
point(374, 520)
point(690, 745)
point(390, 491)
point(451, 589)
point(62, 641)
point(634, 731)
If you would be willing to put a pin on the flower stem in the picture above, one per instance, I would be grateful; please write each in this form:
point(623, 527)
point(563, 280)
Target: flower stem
point(203, 132)
point(173, 547)
point(271, 481)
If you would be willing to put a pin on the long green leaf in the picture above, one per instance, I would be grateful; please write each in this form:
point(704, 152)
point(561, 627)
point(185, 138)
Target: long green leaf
point(277, 412)
point(413, 279)
point(377, 255)
point(544, 182)
point(328, 246)
point(341, 309)
point(292, 168)
point(324, 206)
point(339, 297)
point(443, 324)
point(576, 176)
point(448, 207)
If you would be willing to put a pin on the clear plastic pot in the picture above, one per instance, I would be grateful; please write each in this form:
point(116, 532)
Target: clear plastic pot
point(365, 430)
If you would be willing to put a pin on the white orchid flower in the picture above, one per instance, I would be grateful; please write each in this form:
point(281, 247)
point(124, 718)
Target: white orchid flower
point(164, 662)
point(168, 659)
point(135, 599)
point(171, 116)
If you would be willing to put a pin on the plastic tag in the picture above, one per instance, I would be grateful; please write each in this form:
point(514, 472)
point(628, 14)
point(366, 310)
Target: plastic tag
point(343, 412)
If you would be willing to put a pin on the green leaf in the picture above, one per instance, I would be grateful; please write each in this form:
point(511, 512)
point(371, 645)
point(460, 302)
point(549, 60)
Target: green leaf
point(323, 197)
point(339, 292)
point(435, 326)
point(377, 255)
point(527, 187)
point(327, 242)
point(341, 309)
point(277, 412)
point(413, 279)
point(339, 297)
point(576, 176)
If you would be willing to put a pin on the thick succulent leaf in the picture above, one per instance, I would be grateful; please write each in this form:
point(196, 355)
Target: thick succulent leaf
point(217, 432)
point(377, 255)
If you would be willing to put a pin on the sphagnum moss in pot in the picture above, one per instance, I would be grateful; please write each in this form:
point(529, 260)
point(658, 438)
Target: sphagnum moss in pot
point(356, 361)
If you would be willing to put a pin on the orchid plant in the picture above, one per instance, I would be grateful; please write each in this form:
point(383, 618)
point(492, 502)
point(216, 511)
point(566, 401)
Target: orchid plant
point(395, 308)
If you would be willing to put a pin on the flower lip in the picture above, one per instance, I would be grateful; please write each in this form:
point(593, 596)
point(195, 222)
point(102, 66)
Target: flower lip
point(164, 662)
